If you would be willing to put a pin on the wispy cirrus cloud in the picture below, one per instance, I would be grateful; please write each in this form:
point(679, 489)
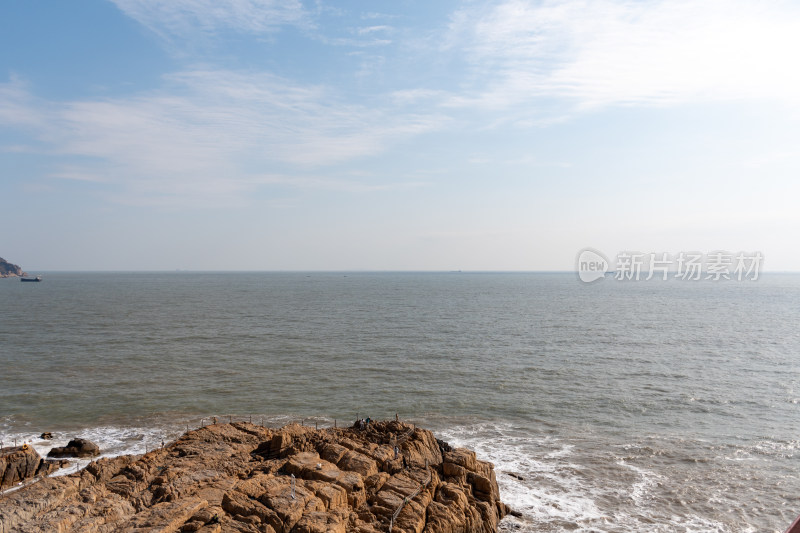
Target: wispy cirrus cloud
point(207, 133)
point(16, 103)
point(644, 53)
point(185, 18)
point(374, 29)
point(336, 184)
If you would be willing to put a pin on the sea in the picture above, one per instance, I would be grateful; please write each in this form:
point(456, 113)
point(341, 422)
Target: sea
point(613, 406)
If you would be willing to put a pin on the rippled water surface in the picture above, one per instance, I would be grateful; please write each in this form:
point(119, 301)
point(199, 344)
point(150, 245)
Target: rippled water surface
point(622, 406)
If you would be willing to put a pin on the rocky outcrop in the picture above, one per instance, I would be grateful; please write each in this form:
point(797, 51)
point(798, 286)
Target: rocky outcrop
point(20, 463)
point(9, 270)
point(76, 448)
point(246, 478)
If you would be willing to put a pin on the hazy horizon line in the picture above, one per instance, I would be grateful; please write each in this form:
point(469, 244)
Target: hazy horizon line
point(364, 271)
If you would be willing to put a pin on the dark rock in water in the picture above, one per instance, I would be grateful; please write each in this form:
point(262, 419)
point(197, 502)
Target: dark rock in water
point(9, 270)
point(76, 448)
point(240, 477)
point(443, 446)
point(514, 513)
point(46, 435)
point(19, 463)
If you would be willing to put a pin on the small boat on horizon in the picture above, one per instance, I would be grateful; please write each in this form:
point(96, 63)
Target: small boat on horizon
point(37, 278)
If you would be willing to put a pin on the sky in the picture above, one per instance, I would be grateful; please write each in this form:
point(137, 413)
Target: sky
point(403, 135)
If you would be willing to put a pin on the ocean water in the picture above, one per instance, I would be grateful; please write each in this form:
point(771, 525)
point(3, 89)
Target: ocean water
point(612, 406)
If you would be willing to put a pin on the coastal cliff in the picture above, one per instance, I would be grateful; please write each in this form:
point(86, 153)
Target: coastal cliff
point(243, 477)
point(9, 270)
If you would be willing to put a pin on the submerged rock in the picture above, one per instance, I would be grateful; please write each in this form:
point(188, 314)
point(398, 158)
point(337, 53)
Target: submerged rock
point(247, 478)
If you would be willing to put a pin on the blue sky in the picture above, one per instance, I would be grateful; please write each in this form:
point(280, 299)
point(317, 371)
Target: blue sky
point(275, 135)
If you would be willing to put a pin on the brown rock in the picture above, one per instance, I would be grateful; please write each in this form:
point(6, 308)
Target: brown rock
point(167, 517)
point(374, 483)
point(76, 448)
point(402, 484)
point(20, 463)
point(308, 465)
point(358, 462)
point(210, 528)
point(237, 503)
point(320, 522)
point(412, 517)
point(333, 452)
point(238, 477)
point(333, 496)
point(457, 472)
point(462, 457)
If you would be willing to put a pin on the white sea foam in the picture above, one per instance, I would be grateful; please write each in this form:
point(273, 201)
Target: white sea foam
point(112, 440)
point(640, 489)
point(563, 490)
point(563, 485)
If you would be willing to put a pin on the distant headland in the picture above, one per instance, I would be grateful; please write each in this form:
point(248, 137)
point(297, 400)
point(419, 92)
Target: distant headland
point(10, 270)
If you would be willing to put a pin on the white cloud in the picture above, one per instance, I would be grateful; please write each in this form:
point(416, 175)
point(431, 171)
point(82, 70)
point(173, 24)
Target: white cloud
point(183, 18)
point(374, 29)
point(207, 134)
point(336, 184)
point(414, 96)
point(15, 101)
point(601, 53)
point(373, 15)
